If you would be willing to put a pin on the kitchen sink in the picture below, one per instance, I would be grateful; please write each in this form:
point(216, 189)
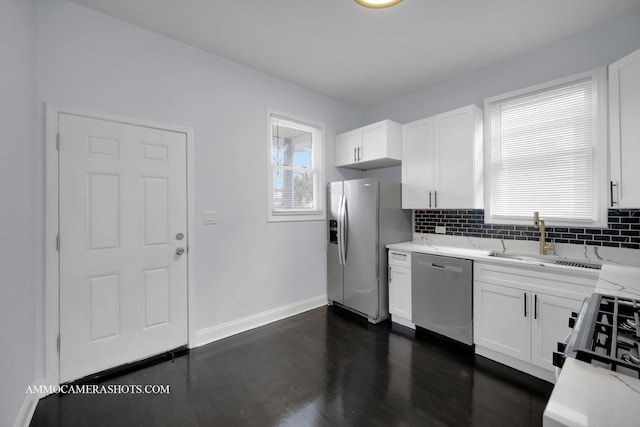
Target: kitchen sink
point(524, 257)
point(546, 259)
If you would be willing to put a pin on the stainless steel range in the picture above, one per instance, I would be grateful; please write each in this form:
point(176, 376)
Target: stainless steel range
point(606, 333)
point(599, 384)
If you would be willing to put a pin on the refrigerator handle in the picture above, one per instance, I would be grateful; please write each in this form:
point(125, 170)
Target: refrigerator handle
point(340, 231)
point(344, 229)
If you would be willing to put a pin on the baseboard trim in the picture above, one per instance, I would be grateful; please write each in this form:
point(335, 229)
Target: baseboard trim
point(403, 321)
point(218, 332)
point(28, 408)
point(514, 363)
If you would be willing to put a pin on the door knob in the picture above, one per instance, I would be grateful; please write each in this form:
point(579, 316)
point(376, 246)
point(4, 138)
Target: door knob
point(180, 251)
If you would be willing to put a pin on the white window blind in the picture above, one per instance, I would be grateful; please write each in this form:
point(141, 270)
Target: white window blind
point(295, 190)
point(542, 153)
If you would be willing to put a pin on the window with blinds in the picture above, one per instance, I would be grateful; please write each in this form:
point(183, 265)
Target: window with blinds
point(543, 146)
point(295, 170)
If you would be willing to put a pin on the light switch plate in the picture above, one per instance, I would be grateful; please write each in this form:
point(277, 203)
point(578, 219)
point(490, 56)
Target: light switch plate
point(209, 217)
point(441, 230)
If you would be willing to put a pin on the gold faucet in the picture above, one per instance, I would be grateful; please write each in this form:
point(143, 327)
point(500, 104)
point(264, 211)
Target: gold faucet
point(539, 223)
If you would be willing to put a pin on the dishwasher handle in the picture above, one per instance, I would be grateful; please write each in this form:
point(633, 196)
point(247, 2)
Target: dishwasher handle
point(447, 268)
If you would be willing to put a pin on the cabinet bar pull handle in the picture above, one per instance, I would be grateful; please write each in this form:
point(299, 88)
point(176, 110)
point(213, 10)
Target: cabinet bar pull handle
point(429, 199)
point(435, 199)
point(535, 306)
point(611, 185)
point(358, 153)
point(355, 159)
point(525, 304)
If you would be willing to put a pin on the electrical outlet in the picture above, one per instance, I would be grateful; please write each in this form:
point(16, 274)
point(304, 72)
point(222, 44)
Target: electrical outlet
point(441, 230)
point(209, 217)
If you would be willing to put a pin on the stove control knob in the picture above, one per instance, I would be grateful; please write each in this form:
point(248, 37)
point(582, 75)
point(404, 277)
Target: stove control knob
point(561, 347)
point(572, 322)
point(558, 359)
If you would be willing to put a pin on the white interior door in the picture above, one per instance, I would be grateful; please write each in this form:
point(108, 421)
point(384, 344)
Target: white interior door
point(123, 220)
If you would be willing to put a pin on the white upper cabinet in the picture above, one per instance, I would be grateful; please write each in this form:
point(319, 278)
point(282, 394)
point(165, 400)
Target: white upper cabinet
point(374, 146)
point(418, 164)
point(442, 161)
point(624, 128)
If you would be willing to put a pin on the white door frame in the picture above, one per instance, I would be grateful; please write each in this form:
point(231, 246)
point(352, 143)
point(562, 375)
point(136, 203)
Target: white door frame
point(52, 271)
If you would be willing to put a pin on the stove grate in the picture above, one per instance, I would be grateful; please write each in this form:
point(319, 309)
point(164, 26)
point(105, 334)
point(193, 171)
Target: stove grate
point(614, 340)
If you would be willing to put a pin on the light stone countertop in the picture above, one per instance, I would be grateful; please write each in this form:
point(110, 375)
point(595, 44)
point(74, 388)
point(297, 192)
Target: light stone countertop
point(586, 395)
point(484, 255)
point(425, 242)
point(619, 280)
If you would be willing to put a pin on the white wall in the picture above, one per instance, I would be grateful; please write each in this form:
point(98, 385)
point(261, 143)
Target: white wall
point(244, 264)
point(17, 185)
point(590, 49)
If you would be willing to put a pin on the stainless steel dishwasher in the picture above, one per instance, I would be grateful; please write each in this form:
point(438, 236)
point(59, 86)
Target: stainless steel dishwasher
point(441, 295)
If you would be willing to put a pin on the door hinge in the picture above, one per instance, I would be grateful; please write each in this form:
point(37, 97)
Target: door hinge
point(58, 343)
point(58, 243)
point(58, 141)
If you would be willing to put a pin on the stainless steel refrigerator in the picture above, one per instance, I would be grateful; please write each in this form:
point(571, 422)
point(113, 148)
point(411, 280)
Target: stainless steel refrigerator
point(364, 215)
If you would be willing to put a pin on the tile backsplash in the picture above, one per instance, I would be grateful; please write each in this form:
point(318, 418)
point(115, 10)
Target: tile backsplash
point(623, 229)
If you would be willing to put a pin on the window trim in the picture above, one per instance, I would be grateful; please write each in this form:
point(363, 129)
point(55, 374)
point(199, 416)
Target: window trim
point(599, 146)
point(318, 158)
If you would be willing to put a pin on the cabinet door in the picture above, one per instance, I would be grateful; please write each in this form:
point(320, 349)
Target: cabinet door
point(455, 168)
point(345, 148)
point(417, 164)
point(502, 320)
point(400, 291)
point(550, 325)
point(374, 143)
point(624, 109)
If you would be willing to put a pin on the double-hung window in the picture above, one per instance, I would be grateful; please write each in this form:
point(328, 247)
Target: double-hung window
point(545, 150)
point(295, 171)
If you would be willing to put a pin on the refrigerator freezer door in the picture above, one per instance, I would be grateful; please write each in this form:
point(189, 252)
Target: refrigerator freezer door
point(361, 251)
point(334, 268)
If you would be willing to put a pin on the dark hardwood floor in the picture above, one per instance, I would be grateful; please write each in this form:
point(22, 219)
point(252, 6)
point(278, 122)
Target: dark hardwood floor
point(325, 367)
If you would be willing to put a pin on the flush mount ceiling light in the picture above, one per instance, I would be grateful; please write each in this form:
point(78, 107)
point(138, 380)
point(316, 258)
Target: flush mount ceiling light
point(377, 4)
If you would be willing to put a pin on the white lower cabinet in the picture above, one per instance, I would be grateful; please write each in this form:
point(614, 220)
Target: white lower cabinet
point(499, 322)
point(400, 287)
point(550, 326)
point(520, 324)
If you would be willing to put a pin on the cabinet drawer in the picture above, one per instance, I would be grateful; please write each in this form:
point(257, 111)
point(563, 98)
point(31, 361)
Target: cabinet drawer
point(400, 258)
point(566, 284)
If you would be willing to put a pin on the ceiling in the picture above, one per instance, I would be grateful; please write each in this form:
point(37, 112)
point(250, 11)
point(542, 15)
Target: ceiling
point(365, 57)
